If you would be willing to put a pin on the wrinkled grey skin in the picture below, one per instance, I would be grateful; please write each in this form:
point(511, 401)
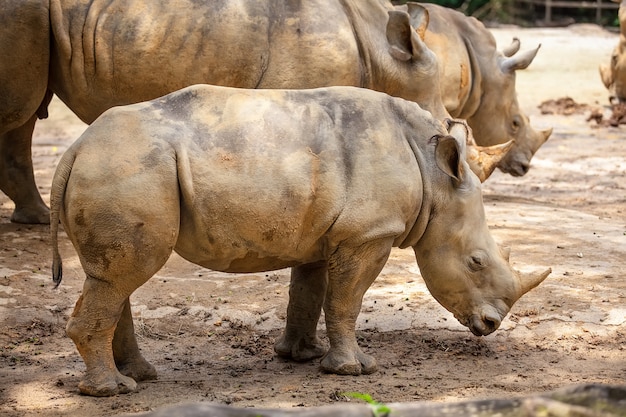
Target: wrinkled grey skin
point(98, 54)
point(325, 181)
point(614, 75)
point(478, 84)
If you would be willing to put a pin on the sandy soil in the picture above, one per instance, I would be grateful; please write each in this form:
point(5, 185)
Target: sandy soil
point(210, 335)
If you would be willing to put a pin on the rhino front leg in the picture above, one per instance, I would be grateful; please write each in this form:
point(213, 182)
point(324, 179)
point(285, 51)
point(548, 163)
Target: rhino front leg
point(351, 271)
point(17, 180)
point(92, 328)
point(307, 290)
point(128, 358)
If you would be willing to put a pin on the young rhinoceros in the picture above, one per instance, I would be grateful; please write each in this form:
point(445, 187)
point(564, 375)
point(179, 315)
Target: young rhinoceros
point(325, 181)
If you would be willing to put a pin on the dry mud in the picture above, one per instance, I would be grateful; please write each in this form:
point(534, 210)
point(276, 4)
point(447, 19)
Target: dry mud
point(210, 335)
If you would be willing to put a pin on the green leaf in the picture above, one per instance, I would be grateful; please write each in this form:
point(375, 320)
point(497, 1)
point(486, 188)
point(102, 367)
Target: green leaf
point(379, 409)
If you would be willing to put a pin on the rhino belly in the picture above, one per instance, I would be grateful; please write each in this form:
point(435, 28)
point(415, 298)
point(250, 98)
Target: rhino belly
point(247, 262)
point(251, 229)
point(237, 252)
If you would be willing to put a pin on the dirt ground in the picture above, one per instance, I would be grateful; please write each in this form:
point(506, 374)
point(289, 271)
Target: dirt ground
point(210, 335)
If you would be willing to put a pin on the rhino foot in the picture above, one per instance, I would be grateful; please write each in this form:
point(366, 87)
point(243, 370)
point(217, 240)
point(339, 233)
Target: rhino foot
point(140, 370)
point(348, 363)
point(31, 215)
point(300, 349)
point(106, 386)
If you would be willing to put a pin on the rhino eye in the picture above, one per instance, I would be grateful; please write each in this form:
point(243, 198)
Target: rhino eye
point(477, 262)
point(516, 123)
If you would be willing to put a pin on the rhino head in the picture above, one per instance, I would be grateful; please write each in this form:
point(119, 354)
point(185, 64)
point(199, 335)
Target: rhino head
point(463, 267)
point(415, 61)
point(614, 75)
point(499, 118)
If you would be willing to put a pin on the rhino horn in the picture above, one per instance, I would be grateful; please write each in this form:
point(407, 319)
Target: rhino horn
point(546, 134)
point(512, 49)
point(483, 160)
point(528, 281)
point(518, 61)
point(606, 75)
point(506, 252)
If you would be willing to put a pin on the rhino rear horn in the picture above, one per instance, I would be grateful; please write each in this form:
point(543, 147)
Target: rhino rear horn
point(506, 252)
point(512, 49)
point(546, 134)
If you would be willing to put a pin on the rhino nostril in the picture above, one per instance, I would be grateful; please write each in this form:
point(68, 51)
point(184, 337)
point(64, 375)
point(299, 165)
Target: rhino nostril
point(525, 168)
point(491, 323)
point(522, 168)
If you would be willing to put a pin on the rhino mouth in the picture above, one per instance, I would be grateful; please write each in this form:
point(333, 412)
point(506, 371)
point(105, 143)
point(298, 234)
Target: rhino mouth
point(515, 168)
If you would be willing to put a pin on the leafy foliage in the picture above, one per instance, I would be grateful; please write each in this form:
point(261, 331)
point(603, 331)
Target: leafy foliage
point(379, 409)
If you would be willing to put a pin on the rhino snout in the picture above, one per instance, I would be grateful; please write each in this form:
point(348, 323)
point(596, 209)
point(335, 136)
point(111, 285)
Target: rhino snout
point(517, 168)
point(485, 323)
point(515, 163)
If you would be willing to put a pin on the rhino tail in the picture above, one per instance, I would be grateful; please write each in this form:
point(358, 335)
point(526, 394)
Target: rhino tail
point(57, 194)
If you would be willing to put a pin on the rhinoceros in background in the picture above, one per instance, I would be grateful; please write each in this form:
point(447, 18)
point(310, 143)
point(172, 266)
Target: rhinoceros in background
point(614, 75)
point(325, 181)
point(96, 55)
point(478, 84)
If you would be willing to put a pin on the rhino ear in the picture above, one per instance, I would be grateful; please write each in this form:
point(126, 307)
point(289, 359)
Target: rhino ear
point(399, 35)
point(404, 42)
point(448, 158)
point(460, 130)
point(419, 18)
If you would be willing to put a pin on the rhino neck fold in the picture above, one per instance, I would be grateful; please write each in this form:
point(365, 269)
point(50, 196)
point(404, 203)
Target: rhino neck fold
point(469, 104)
point(356, 19)
point(421, 222)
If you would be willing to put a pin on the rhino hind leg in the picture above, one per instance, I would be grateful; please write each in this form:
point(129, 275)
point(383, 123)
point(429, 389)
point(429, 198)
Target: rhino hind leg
point(128, 358)
point(351, 271)
point(92, 327)
point(307, 290)
point(122, 242)
point(17, 179)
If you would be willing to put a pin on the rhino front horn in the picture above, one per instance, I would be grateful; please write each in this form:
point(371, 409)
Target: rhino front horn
point(528, 281)
point(483, 160)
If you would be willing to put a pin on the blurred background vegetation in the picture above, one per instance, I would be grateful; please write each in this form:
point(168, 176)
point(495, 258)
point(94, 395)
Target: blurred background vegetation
point(535, 12)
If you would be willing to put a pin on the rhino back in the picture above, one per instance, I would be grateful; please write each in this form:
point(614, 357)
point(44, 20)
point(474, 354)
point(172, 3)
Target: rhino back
point(133, 50)
point(274, 178)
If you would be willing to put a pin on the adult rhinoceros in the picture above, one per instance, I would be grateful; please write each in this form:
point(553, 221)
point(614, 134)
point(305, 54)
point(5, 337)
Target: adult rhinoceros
point(478, 84)
point(614, 75)
point(98, 54)
point(325, 181)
